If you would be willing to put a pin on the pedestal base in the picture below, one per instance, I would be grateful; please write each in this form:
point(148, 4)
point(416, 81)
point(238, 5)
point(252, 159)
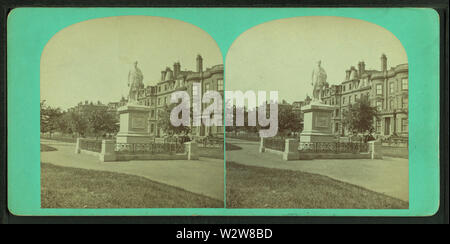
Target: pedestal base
point(317, 123)
point(314, 137)
point(132, 138)
point(133, 124)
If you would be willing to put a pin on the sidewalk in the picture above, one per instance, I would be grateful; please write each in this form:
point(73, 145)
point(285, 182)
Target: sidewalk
point(389, 176)
point(204, 176)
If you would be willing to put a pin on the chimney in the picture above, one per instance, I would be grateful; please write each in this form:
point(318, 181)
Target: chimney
point(347, 74)
point(361, 68)
point(176, 69)
point(169, 74)
point(383, 62)
point(199, 63)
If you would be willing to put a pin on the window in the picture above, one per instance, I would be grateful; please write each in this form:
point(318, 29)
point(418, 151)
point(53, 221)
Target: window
point(343, 100)
point(220, 85)
point(152, 114)
point(337, 113)
point(378, 126)
point(152, 128)
point(391, 104)
point(391, 87)
point(159, 101)
point(350, 99)
point(379, 89)
point(404, 124)
point(356, 97)
point(379, 105)
point(165, 100)
point(349, 86)
point(159, 88)
point(336, 127)
point(404, 102)
point(405, 84)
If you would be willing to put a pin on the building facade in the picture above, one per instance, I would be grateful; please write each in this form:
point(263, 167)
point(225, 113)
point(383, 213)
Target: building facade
point(158, 96)
point(387, 90)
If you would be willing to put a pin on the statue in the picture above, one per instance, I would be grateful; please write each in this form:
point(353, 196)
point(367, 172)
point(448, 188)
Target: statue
point(135, 83)
point(319, 80)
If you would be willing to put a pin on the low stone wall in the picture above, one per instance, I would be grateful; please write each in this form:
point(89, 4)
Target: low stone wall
point(108, 153)
point(310, 156)
point(86, 146)
point(291, 152)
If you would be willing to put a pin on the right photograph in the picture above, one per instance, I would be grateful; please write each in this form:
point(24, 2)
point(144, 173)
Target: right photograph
point(316, 115)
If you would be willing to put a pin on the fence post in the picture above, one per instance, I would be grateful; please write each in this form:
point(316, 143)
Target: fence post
point(77, 146)
point(191, 150)
point(262, 146)
point(108, 154)
point(375, 149)
point(290, 150)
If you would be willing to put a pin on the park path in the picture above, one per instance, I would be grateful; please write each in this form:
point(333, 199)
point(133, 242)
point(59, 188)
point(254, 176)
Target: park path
point(204, 176)
point(389, 176)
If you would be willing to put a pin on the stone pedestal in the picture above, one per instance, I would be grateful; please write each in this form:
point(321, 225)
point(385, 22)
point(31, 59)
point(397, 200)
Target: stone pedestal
point(133, 124)
point(317, 125)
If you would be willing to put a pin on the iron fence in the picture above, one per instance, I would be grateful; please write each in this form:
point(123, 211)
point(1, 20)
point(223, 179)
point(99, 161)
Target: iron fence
point(395, 141)
point(211, 142)
point(274, 143)
point(91, 145)
point(334, 147)
point(152, 148)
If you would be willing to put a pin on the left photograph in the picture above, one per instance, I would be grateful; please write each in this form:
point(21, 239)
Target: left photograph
point(108, 139)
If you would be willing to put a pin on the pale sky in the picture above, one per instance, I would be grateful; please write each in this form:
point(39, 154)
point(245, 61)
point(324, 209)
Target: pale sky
point(90, 60)
point(280, 55)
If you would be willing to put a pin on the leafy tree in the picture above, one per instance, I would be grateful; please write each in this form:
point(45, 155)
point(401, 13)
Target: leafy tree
point(360, 116)
point(49, 118)
point(101, 122)
point(63, 124)
point(165, 124)
point(77, 123)
point(288, 121)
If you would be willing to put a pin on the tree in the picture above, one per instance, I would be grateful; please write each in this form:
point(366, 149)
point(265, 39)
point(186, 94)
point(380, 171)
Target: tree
point(63, 124)
point(101, 122)
point(165, 124)
point(77, 123)
point(49, 118)
point(360, 116)
point(288, 121)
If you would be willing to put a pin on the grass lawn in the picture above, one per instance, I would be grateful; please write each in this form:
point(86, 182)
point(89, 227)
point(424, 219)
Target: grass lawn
point(259, 187)
point(46, 148)
point(396, 152)
point(65, 187)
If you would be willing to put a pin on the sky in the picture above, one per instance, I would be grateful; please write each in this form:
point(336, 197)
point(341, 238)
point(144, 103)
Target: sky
point(90, 60)
point(280, 55)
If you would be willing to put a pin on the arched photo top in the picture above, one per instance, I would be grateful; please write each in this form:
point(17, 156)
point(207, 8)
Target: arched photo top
point(91, 59)
point(281, 54)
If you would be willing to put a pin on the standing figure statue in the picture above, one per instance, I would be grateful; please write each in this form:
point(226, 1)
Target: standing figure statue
point(135, 83)
point(319, 81)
